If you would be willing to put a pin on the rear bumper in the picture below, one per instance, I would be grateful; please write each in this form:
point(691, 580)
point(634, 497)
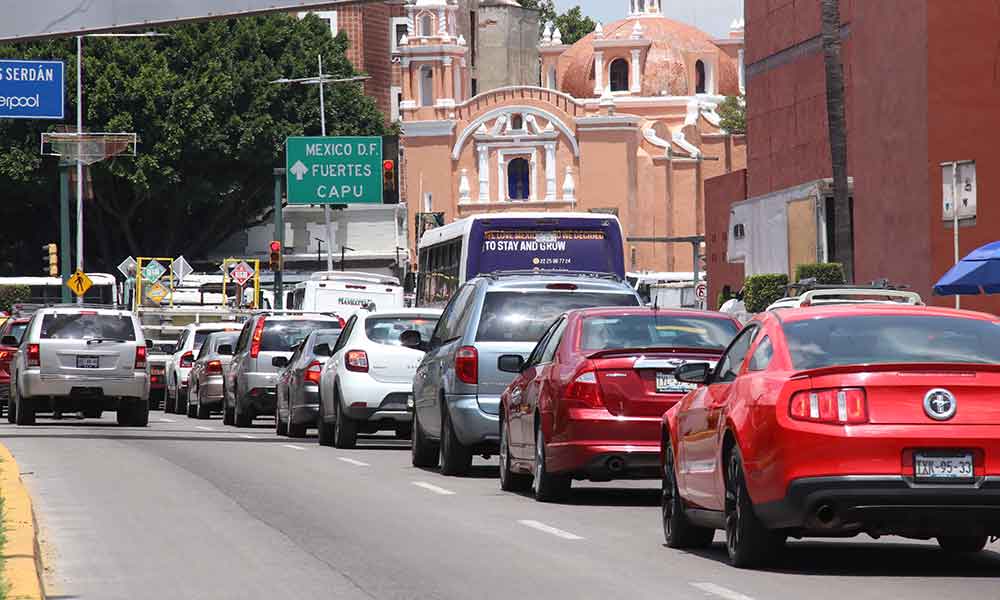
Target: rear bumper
point(261, 401)
point(305, 408)
point(56, 386)
point(885, 505)
point(473, 426)
point(596, 444)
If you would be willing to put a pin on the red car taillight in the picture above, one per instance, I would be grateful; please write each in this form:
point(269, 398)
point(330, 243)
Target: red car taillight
point(467, 365)
point(357, 361)
point(585, 390)
point(341, 321)
point(315, 370)
point(837, 406)
point(213, 367)
point(5, 355)
point(140, 357)
point(187, 360)
point(258, 333)
point(34, 356)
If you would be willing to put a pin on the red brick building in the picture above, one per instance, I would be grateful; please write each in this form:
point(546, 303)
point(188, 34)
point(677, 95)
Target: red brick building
point(921, 86)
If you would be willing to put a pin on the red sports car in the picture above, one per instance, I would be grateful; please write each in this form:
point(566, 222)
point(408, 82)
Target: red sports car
point(835, 421)
point(588, 402)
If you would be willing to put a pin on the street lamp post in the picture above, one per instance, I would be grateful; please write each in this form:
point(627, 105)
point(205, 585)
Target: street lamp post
point(343, 250)
point(321, 80)
point(319, 252)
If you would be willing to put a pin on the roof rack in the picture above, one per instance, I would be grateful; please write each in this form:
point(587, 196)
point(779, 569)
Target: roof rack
point(529, 272)
point(810, 298)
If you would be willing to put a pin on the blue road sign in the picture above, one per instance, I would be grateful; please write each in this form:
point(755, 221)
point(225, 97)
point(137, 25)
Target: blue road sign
point(32, 89)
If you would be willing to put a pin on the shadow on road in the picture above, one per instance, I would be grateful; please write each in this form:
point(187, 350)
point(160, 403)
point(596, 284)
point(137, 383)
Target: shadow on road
point(584, 496)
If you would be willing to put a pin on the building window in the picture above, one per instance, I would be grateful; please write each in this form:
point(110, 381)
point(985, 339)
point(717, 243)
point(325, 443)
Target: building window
point(739, 231)
point(517, 122)
point(426, 25)
point(700, 78)
point(552, 78)
point(400, 28)
point(518, 179)
point(396, 98)
point(619, 75)
point(426, 86)
point(475, 88)
point(473, 30)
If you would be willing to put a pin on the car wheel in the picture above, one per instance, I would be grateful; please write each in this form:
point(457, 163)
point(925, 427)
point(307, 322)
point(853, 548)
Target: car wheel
point(202, 412)
point(295, 430)
point(280, 427)
point(93, 413)
point(124, 414)
point(962, 543)
point(241, 418)
point(228, 418)
point(509, 480)
point(345, 429)
point(456, 459)
point(191, 409)
point(547, 487)
point(748, 542)
point(140, 413)
point(25, 411)
point(678, 531)
point(423, 453)
point(325, 430)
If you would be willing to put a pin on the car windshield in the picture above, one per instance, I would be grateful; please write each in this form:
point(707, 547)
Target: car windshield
point(524, 316)
point(655, 330)
point(282, 336)
point(386, 330)
point(85, 326)
point(873, 339)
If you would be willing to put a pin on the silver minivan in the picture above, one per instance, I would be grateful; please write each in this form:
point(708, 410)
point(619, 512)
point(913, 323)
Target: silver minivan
point(252, 378)
point(457, 387)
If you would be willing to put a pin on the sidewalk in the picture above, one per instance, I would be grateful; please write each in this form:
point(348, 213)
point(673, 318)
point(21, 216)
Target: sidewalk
point(21, 558)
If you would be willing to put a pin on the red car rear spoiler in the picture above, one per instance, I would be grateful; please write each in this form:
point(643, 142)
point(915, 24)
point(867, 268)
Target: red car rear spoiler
point(654, 350)
point(929, 367)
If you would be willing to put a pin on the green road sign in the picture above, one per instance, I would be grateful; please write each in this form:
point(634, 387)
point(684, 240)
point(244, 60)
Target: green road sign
point(334, 170)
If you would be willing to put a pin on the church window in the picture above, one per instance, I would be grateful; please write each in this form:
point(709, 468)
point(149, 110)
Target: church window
point(518, 179)
point(517, 122)
point(426, 25)
point(700, 78)
point(426, 86)
point(619, 75)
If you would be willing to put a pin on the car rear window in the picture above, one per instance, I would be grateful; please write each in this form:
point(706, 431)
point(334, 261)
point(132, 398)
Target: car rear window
point(282, 336)
point(16, 330)
point(86, 326)
point(386, 330)
point(874, 339)
point(524, 316)
point(656, 331)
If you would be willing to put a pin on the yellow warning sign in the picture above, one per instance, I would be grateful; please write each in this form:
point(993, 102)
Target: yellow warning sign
point(157, 293)
point(79, 283)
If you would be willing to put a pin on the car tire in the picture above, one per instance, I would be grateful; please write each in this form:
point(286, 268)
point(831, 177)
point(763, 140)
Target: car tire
point(509, 480)
point(966, 544)
point(424, 454)
point(124, 415)
point(295, 430)
point(678, 530)
point(201, 411)
point(456, 459)
point(280, 426)
point(324, 429)
point(140, 413)
point(25, 411)
point(748, 543)
point(228, 416)
point(548, 487)
point(93, 413)
point(345, 429)
point(241, 418)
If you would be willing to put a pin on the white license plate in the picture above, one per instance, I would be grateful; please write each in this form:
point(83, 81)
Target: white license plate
point(936, 467)
point(667, 384)
point(88, 362)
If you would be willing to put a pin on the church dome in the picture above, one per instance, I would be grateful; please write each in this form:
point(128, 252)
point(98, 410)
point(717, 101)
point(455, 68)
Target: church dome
point(669, 64)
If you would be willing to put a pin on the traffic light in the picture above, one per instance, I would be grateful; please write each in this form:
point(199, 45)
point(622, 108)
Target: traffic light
point(390, 182)
point(275, 258)
point(50, 260)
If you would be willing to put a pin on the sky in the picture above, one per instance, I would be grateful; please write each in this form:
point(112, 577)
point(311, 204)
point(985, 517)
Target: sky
point(712, 16)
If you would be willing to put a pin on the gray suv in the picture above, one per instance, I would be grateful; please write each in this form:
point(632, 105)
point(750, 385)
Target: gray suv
point(457, 387)
point(250, 388)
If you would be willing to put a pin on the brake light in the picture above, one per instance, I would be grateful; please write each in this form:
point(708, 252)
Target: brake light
point(258, 333)
point(34, 356)
point(585, 390)
point(561, 286)
point(467, 365)
point(315, 370)
point(837, 406)
point(187, 360)
point(341, 321)
point(5, 355)
point(356, 287)
point(140, 357)
point(357, 361)
point(213, 367)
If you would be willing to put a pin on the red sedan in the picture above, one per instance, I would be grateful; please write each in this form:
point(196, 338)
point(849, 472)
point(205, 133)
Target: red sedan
point(835, 421)
point(588, 402)
point(10, 338)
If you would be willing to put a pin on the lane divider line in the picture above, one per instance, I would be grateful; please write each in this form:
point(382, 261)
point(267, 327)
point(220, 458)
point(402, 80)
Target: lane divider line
point(433, 488)
point(203, 428)
point(351, 461)
point(719, 591)
point(549, 529)
point(293, 446)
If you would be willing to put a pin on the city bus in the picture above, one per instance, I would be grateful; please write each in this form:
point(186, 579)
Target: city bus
point(48, 290)
point(451, 255)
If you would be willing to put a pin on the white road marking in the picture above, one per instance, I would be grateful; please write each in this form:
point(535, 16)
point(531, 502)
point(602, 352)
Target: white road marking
point(550, 530)
point(721, 592)
point(249, 437)
point(351, 461)
point(433, 488)
point(203, 428)
point(293, 446)
point(166, 420)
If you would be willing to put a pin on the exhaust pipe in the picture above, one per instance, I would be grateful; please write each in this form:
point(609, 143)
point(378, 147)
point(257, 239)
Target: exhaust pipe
point(616, 464)
point(826, 514)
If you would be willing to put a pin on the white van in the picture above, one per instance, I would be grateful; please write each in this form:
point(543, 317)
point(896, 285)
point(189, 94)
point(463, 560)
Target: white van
point(346, 292)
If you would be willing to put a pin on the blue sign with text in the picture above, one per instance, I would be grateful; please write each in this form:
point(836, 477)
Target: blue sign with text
point(32, 89)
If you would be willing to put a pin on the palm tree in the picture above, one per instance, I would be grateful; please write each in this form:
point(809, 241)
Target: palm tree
point(843, 238)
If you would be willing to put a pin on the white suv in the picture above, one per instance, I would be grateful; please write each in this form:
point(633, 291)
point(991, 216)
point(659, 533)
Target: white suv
point(81, 359)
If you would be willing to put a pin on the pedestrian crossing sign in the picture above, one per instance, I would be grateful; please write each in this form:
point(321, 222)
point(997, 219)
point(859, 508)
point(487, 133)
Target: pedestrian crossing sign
point(79, 283)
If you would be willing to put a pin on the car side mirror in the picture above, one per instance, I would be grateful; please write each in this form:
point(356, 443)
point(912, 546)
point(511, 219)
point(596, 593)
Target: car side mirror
point(279, 361)
point(693, 373)
point(9, 340)
point(224, 350)
point(411, 339)
point(149, 344)
point(511, 363)
point(322, 350)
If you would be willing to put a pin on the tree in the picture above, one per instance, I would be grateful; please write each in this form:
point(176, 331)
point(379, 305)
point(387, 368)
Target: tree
point(211, 130)
point(843, 220)
point(733, 113)
point(572, 24)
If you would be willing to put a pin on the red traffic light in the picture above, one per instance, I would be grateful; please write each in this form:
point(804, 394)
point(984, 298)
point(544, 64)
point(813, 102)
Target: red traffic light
point(275, 246)
point(388, 165)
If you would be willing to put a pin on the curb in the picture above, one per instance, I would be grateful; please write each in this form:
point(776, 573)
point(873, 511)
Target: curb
point(22, 566)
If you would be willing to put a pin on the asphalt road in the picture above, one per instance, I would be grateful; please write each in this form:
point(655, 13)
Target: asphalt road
point(194, 509)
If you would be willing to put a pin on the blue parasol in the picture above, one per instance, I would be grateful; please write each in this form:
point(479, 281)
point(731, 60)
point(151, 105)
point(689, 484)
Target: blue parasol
point(977, 273)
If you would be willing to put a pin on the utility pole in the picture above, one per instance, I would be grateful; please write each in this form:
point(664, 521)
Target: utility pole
point(279, 235)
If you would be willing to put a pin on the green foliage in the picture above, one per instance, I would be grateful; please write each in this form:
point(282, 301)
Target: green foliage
point(759, 291)
point(733, 111)
point(825, 273)
point(13, 294)
point(211, 127)
point(572, 24)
